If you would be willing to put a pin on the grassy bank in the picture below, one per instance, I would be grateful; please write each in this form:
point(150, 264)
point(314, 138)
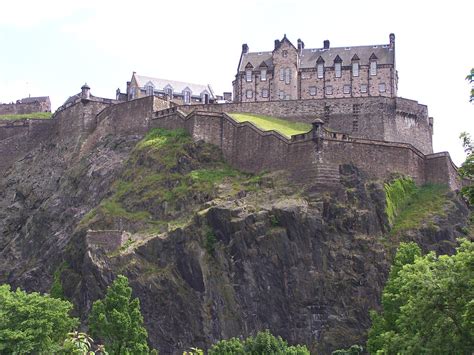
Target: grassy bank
point(25, 116)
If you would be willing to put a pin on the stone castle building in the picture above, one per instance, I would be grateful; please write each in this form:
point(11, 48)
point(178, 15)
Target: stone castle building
point(181, 93)
point(299, 73)
point(27, 105)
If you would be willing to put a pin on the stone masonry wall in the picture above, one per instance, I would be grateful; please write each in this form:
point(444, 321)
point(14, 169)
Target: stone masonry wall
point(439, 169)
point(23, 108)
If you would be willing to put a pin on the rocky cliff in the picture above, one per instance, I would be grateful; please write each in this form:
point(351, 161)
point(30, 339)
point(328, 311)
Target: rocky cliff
point(211, 252)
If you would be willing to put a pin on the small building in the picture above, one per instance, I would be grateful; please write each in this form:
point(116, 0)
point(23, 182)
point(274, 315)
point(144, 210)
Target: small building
point(181, 93)
point(43, 102)
point(298, 73)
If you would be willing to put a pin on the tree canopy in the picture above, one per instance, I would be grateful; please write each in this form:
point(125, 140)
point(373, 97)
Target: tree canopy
point(428, 304)
point(117, 320)
point(32, 323)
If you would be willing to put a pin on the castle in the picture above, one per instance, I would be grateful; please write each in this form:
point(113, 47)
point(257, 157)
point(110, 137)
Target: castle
point(376, 131)
point(27, 105)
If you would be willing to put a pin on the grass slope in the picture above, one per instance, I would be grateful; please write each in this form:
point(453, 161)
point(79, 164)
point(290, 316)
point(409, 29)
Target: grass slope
point(24, 116)
point(268, 123)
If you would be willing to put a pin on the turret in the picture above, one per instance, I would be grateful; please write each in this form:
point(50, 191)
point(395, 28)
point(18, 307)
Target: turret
point(85, 91)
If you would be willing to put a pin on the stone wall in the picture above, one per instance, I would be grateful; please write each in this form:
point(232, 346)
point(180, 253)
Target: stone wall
point(439, 169)
point(379, 118)
point(23, 108)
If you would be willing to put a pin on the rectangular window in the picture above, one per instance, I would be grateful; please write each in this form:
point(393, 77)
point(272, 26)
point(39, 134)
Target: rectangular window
point(363, 88)
point(287, 75)
point(249, 94)
point(338, 69)
point(373, 68)
point(263, 75)
point(187, 97)
point(282, 74)
point(248, 75)
point(320, 71)
point(328, 90)
point(281, 95)
point(347, 89)
point(382, 87)
point(264, 92)
point(355, 69)
point(312, 90)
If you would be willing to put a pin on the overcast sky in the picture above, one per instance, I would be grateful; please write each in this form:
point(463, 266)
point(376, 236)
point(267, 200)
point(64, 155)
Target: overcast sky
point(52, 47)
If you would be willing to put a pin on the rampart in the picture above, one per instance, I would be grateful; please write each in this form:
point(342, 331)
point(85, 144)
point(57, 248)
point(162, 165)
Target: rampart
point(377, 118)
point(23, 108)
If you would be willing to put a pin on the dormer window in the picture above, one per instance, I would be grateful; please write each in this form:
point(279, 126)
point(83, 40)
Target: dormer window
point(373, 68)
point(169, 92)
point(338, 69)
point(248, 75)
point(355, 68)
point(149, 88)
point(263, 74)
point(187, 97)
point(320, 71)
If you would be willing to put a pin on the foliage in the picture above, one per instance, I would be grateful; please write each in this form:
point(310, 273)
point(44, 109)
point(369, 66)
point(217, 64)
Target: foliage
point(397, 194)
point(470, 78)
point(117, 320)
point(32, 323)
point(263, 343)
point(194, 351)
point(268, 123)
point(427, 304)
point(57, 287)
point(81, 344)
point(353, 350)
point(210, 242)
point(467, 168)
point(25, 116)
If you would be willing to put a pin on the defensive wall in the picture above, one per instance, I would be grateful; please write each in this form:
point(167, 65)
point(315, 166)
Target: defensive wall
point(25, 107)
point(378, 118)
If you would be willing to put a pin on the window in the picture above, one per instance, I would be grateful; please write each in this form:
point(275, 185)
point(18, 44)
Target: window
point(328, 90)
point(355, 69)
point(284, 53)
point(149, 90)
point(287, 75)
point(373, 67)
point(187, 97)
point(312, 90)
point(338, 69)
point(248, 75)
point(347, 89)
point(133, 93)
point(363, 88)
point(169, 92)
point(281, 95)
point(264, 92)
point(249, 94)
point(282, 74)
point(263, 75)
point(382, 87)
point(320, 71)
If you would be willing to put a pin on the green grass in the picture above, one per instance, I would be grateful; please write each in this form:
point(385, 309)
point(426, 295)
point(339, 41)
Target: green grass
point(268, 123)
point(397, 194)
point(36, 115)
point(427, 201)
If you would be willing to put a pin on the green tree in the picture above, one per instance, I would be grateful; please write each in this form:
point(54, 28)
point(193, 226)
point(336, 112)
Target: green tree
point(467, 168)
point(470, 78)
point(81, 344)
point(231, 346)
point(353, 350)
point(32, 323)
point(117, 320)
point(428, 305)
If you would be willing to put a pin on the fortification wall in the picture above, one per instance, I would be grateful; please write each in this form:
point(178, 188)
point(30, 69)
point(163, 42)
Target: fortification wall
point(23, 108)
point(439, 169)
point(378, 118)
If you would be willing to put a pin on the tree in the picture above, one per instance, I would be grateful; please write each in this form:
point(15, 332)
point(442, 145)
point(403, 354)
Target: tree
point(81, 344)
point(470, 78)
point(428, 305)
point(467, 168)
point(32, 323)
point(263, 343)
point(117, 320)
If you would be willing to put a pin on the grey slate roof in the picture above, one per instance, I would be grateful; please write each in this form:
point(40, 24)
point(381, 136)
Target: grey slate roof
point(178, 86)
point(384, 55)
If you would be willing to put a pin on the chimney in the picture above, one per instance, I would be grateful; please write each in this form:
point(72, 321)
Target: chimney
point(392, 41)
point(300, 46)
point(326, 44)
point(85, 91)
point(245, 48)
point(277, 43)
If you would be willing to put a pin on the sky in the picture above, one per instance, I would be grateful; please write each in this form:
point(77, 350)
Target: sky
point(51, 48)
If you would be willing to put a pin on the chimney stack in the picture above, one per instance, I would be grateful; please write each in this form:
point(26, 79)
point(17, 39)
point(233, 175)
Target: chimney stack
point(326, 44)
point(245, 48)
point(277, 43)
point(392, 41)
point(300, 45)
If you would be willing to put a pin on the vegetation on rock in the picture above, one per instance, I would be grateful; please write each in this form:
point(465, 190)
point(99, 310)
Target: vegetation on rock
point(32, 323)
point(467, 168)
point(427, 304)
point(117, 320)
point(268, 123)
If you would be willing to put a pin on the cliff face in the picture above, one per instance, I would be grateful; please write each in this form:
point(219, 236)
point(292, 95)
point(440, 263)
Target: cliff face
point(211, 253)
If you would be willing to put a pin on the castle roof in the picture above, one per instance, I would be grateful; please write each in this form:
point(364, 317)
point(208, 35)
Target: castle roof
point(384, 54)
point(178, 86)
